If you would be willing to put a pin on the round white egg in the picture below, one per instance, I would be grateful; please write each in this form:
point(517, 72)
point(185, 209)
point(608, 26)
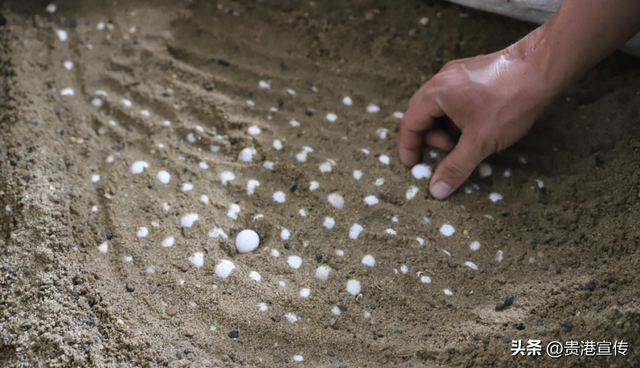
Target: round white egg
point(247, 241)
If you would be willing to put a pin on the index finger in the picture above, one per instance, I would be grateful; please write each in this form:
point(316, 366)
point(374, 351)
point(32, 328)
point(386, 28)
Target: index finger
point(418, 118)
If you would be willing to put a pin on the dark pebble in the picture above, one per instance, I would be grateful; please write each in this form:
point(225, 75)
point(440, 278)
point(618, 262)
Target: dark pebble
point(70, 163)
point(499, 306)
point(591, 285)
point(372, 306)
point(509, 300)
point(286, 361)
point(233, 334)
point(166, 94)
point(130, 129)
point(131, 287)
point(452, 265)
point(330, 354)
point(287, 246)
point(95, 339)
point(188, 351)
point(224, 62)
point(568, 325)
point(310, 111)
point(520, 326)
point(13, 161)
point(343, 307)
point(109, 236)
point(117, 148)
point(293, 188)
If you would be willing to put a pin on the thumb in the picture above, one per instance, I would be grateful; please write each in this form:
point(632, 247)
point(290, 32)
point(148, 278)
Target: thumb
point(457, 166)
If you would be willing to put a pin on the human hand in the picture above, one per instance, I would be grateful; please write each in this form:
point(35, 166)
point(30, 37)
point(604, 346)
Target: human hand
point(493, 100)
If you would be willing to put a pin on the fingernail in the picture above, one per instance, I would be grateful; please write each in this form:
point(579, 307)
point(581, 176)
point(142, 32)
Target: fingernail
point(440, 190)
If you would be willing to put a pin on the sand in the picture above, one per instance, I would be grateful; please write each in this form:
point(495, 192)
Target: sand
point(84, 285)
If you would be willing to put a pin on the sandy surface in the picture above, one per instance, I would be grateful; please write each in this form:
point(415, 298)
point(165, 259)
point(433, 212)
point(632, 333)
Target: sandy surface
point(567, 226)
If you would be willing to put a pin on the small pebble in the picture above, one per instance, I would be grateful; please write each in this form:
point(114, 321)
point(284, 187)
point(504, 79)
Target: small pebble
point(233, 334)
point(131, 287)
point(171, 310)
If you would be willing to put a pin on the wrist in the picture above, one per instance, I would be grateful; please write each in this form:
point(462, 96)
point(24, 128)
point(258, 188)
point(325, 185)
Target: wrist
point(548, 73)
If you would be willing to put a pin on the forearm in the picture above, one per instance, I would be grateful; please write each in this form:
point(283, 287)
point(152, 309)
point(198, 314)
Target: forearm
point(577, 37)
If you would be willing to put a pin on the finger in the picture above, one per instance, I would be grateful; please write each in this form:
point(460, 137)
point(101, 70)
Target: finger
point(457, 166)
point(439, 139)
point(416, 121)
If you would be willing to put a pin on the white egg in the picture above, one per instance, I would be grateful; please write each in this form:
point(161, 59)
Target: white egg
point(279, 197)
point(323, 272)
point(368, 260)
point(370, 200)
point(168, 242)
point(164, 177)
point(355, 231)
point(495, 197)
point(224, 268)
point(447, 230)
point(251, 186)
point(188, 220)
point(353, 287)
point(142, 232)
point(411, 192)
point(421, 171)
point(294, 261)
point(247, 241)
point(138, 167)
point(255, 276)
point(372, 109)
point(336, 200)
point(197, 259)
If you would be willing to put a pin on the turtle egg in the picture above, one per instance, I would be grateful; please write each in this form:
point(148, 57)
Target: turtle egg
point(247, 241)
